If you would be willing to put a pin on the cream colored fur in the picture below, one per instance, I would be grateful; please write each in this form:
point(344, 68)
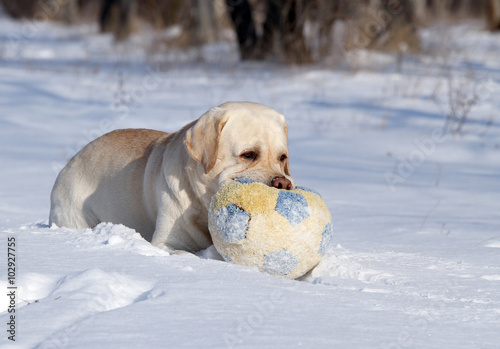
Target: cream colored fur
point(161, 184)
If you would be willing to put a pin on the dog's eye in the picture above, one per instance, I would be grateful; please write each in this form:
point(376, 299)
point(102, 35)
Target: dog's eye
point(249, 155)
point(283, 157)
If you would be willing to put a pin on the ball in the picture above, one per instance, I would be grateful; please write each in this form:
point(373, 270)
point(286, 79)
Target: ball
point(282, 232)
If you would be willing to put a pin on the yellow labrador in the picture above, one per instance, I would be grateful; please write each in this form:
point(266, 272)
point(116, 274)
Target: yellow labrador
point(161, 184)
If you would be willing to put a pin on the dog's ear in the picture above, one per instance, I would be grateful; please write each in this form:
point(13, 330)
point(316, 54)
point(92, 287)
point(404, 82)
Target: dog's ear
point(287, 163)
point(202, 139)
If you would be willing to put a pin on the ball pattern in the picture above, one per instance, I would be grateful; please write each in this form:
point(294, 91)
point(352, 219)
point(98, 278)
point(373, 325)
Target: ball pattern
point(292, 206)
point(282, 232)
point(280, 263)
point(232, 223)
point(308, 189)
point(326, 239)
point(245, 180)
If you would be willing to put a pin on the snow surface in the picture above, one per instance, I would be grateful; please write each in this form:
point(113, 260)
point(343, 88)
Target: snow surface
point(415, 211)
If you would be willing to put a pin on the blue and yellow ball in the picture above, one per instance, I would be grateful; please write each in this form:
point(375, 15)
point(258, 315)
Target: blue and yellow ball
point(282, 232)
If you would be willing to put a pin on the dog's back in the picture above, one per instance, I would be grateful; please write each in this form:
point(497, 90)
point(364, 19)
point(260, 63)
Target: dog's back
point(104, 180)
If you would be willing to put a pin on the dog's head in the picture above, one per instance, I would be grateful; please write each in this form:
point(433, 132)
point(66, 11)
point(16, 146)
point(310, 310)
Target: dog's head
point(242, 139)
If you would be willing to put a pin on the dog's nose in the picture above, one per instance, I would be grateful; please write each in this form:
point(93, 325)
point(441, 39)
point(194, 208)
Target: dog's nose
point(281, 183)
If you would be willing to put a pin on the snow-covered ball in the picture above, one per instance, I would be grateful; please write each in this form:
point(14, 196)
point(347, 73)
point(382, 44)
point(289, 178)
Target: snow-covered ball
point(282, 232)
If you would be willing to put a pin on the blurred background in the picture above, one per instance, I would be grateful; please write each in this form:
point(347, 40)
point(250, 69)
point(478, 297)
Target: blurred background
point(285, 31)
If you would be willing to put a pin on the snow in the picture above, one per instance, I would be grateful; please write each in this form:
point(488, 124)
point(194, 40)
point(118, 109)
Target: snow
point(415, 211)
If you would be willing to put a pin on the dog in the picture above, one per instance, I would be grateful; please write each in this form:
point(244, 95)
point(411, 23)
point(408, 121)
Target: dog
point(161, 184)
